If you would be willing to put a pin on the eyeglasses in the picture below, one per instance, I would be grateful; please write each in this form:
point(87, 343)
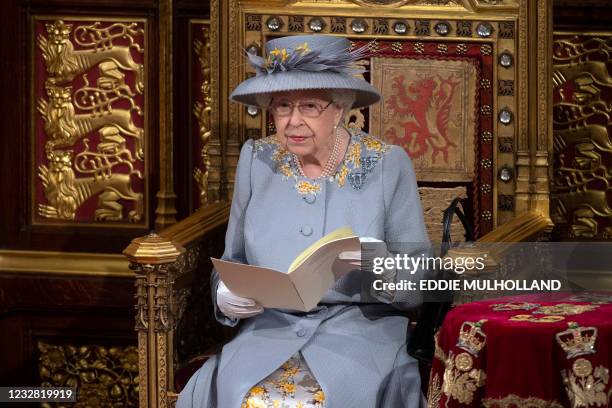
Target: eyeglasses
point(309, 109)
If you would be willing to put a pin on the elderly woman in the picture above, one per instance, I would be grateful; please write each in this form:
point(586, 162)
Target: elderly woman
point(312, 177)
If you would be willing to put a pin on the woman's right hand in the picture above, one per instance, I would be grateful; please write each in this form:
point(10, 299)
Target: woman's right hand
point(235, 306)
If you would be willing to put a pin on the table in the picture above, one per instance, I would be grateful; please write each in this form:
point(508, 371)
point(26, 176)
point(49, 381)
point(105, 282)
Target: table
point(542, 350)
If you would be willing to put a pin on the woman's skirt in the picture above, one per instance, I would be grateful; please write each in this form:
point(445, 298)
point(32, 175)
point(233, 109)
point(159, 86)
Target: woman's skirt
point(401, 390)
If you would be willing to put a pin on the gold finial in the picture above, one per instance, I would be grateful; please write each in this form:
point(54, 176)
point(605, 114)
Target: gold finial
point(152, 249)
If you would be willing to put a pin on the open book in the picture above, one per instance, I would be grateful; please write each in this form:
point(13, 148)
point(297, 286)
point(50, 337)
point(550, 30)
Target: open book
point(310, 275)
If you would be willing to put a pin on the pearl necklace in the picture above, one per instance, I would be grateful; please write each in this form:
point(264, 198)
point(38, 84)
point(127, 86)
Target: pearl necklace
point(330, 166)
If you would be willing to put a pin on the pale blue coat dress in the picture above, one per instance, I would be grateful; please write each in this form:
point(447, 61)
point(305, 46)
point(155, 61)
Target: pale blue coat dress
point(354, 345)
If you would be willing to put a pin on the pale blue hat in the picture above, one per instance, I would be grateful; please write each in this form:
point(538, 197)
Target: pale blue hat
point(306, 62)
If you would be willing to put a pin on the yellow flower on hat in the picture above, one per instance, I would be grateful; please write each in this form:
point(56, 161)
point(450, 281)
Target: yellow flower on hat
point(303, 49)
point(282, 53)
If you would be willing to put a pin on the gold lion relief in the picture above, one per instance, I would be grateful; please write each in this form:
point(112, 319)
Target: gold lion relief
point(64, 127)
point(89, 108)
point(64, 63)
point(65, 192)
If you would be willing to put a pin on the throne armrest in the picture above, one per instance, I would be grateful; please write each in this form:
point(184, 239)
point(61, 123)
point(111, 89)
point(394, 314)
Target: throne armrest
point(164, 264)
point(503, 253)
point(497, 244)
point(194, 228)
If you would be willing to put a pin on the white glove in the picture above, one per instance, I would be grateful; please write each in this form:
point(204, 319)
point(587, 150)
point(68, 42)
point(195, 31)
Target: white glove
point(235, 306)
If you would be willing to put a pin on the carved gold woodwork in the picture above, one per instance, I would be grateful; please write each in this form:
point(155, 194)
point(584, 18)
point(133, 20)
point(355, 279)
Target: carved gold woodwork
point(534, 142)
point(583, 148)
point(65, 192)
point(399, 3)
point(159, 261)
point(209, 166)
point(64, 263)
point(203, 110)
point(103, 376)
point(89, 138)
point(166, 209)
point(152, 257)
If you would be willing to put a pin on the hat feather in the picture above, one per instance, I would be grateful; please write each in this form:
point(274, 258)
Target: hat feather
point(304, 59)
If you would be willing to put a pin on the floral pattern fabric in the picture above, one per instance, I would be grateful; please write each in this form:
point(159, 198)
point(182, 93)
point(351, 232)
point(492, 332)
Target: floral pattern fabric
point(292, 385)
point(362, 154)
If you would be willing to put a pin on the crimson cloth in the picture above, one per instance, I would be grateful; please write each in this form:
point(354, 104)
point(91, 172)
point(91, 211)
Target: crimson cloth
point(542, 350)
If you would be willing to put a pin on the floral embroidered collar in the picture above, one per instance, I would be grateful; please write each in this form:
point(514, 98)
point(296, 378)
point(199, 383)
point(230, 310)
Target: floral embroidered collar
point(362, 154)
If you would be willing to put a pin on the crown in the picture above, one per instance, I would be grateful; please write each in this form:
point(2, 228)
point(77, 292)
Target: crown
point(58, 27)
point(576, 340)
point(471, 337)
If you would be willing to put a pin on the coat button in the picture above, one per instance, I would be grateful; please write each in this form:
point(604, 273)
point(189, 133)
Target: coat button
point(306, 230)
point(301, 332)
point(310, 198)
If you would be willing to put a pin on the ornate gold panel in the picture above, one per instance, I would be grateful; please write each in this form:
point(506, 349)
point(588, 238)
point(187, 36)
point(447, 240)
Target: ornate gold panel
point(204, 74)
point(89, 123)
point(582, 194)
point(469, 4)
point(103, 376)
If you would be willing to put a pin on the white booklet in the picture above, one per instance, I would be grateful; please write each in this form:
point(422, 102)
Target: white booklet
point(310, 275)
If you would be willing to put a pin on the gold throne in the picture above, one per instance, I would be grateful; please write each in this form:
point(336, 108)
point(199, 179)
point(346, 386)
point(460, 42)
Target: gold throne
point(465, 91)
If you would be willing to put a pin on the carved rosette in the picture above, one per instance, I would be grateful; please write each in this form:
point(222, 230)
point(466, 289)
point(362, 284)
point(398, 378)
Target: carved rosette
point(90, 124)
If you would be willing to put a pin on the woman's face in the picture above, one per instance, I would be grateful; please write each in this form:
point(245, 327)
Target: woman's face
point(301, 132)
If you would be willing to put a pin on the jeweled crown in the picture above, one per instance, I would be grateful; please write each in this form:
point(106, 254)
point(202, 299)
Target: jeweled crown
point(471, 337)
point(577, 340)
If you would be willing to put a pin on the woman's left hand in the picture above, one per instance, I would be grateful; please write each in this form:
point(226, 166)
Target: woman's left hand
point(373, 248)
